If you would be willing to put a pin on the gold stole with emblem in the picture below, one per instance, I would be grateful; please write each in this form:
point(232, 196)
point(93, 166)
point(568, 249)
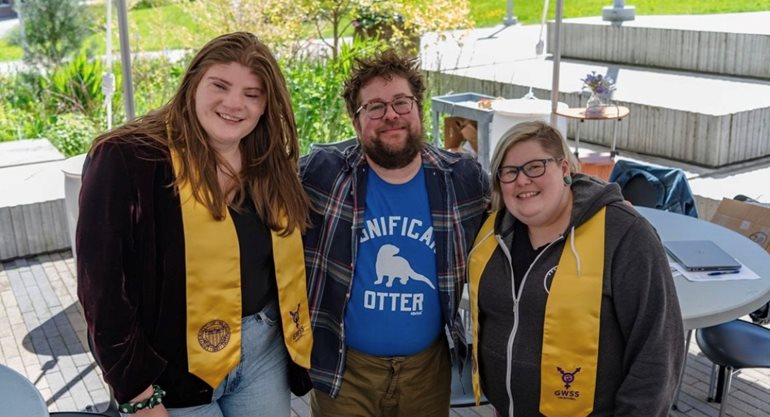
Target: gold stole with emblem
point(571, 330)
point(572, 315)
point(213, 282)
point(289, 261)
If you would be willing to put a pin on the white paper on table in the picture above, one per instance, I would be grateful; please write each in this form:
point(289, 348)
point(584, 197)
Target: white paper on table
point(743, 273)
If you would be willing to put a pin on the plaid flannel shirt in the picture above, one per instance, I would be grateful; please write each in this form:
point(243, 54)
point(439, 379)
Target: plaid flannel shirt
point(335, 182)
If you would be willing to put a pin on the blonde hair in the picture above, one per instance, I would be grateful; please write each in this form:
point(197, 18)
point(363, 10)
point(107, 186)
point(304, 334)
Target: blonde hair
point(546, 135)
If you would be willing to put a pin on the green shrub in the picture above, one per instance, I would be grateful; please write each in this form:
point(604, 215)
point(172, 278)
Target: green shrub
point(155, 81)
point(315, 86)
point(149, 4)
point(71, 133)
point(54, 29)
point(18, 124)
point(21, 90)
point(75, 86)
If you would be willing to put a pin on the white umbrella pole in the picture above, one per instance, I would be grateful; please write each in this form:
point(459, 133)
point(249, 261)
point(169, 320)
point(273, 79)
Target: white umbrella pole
point(125, 59)
point(556, 60)
point(108, 80)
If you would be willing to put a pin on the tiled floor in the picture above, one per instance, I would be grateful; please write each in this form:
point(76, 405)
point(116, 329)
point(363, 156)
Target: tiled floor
point(42, 335)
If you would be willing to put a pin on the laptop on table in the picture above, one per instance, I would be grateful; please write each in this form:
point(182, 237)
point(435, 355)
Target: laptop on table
point(701, 255)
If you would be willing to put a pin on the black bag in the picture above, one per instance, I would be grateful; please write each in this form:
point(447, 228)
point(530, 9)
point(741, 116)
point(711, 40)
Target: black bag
point(299, 379)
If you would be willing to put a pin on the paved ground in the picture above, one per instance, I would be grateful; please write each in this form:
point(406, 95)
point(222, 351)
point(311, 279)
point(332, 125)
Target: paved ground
point(43, 337)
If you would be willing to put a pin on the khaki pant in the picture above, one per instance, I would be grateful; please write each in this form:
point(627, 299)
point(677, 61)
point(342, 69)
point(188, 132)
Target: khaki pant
point(400, 386)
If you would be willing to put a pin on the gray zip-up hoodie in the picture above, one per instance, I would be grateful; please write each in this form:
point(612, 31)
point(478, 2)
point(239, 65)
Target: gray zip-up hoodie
point(641, 346)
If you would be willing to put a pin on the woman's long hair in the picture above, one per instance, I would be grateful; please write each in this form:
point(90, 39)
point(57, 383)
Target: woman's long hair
point(269, 153)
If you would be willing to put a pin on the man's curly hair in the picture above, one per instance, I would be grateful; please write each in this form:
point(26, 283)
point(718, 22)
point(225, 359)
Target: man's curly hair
point(386, 64)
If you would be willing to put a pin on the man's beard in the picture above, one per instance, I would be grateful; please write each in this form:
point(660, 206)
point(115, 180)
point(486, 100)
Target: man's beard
point(388, 158)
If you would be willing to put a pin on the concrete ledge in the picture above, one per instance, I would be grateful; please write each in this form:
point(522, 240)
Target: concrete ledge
point(32, 229)
point(726, 47)
point(707, 121)
point(33, 217)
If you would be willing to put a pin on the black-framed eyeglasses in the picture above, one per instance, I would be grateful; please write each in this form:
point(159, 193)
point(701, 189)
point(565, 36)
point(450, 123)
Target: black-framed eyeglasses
point(532, 169)
point(377, 109)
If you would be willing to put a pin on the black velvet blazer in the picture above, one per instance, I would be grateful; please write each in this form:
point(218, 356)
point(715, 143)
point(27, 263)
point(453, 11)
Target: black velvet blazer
point(131, 272)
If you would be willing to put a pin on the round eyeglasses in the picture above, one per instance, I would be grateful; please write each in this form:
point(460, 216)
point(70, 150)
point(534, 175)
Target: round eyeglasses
point(377, 109)
point(532, 169)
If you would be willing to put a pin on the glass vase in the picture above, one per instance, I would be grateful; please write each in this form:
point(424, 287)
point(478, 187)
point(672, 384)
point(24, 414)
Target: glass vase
point(594, 104)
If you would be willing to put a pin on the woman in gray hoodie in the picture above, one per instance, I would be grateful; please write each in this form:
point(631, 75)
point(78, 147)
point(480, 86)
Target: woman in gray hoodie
point(575, 311)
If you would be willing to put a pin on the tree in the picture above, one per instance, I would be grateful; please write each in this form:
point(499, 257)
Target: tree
point(277, 23)
point(400, 21)
point(331, 13)
point(53, 30)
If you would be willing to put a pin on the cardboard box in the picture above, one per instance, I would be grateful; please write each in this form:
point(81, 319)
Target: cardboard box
point(749, 219)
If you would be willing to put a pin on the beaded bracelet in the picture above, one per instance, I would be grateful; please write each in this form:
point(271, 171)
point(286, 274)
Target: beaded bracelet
point(155, 399)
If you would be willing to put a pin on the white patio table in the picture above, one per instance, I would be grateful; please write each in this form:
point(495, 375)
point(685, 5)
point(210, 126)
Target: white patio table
point(18, 395)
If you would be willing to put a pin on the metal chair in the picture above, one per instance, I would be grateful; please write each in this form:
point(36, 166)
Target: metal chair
point(640, 192)
point(733, 346)
point(671, 189)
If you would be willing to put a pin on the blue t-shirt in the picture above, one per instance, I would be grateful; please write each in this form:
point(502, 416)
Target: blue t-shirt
point(394, 307)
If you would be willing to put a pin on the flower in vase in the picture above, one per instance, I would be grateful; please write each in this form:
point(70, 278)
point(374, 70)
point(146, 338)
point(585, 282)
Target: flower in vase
point(598, 84)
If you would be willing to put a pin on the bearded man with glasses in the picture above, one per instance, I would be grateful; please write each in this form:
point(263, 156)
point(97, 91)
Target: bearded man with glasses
point(392, 221)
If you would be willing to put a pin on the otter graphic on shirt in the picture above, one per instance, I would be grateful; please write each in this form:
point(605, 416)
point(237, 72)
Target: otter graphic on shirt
point(392, 266)
point(394, 307)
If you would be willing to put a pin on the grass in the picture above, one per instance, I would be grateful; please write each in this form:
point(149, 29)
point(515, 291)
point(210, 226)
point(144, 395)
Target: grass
point(491, 12)
point(155, 29)
point(9, 52)
point(169, 27)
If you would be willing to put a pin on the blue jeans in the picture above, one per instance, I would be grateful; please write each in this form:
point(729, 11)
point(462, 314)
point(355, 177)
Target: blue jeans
point(259, 385)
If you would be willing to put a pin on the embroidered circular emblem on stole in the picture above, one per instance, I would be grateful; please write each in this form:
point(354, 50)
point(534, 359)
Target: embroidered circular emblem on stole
point(214, 335)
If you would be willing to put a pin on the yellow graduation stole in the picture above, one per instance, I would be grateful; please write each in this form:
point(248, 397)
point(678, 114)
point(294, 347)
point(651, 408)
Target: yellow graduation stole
point(483, 247)
point(571, 329)
point(289, 261)
point(213, 267)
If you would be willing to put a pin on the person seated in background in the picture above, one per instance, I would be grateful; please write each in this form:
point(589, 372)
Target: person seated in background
point(574, 308)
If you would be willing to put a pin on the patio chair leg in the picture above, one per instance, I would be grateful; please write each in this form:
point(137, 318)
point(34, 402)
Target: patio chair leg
point(726, 390)
point(720, 383)
point(712, 383)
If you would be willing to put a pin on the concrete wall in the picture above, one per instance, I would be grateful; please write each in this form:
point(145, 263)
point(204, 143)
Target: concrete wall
point(33, 216)
point(702, 139)
point(32, 229)
point(724, 53)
